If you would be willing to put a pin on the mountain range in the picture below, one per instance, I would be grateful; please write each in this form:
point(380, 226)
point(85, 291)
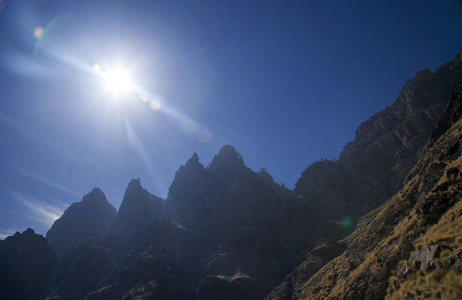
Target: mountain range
point(383, 221)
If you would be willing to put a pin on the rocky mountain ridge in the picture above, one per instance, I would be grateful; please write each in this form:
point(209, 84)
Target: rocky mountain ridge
point(91, 217)
point(374, 264)
point(226, 232)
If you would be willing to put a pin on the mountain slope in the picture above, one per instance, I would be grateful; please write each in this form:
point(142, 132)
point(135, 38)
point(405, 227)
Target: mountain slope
point(138, 211)
point(90, 217)
point(372, 168)
point(27, 265)
point(219, 237)
point(390, 234)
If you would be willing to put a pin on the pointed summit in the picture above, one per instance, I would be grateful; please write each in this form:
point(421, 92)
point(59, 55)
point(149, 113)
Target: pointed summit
point(227, 158)
point(228, 151)
point(192, 169)
point(139, 210)
point(90, 217)
point(194, 157)
point(193, 162)
point(134, 184)
point(96, 195)
point(186, 193)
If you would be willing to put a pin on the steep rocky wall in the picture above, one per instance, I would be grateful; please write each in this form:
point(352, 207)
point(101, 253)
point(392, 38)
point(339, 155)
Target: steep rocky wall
point(390, 234)
point(373, 166)
point(90, 217)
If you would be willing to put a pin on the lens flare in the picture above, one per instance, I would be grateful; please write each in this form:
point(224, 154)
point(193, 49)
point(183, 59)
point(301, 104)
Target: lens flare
point(346, 222)
point(38, 32)
point(205, 136)
point(155, 105)
point(143, 98)
point(96, 67)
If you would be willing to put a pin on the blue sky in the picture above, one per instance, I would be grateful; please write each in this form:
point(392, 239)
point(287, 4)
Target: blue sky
point(285, 82)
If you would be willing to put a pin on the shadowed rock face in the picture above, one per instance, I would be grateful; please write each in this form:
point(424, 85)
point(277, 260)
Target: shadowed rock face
point(92, 216)
point(219, 236)
point(186, 197)
point(226, 232)
point(280, 190)
point(321, 254)
point(373, 167)
point(138, 211)
point(83, 269)
point(427, 209)
point(27, 265)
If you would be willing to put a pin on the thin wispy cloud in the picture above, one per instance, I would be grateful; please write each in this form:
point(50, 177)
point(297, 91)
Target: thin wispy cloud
point(40, 178)
point(40, 211)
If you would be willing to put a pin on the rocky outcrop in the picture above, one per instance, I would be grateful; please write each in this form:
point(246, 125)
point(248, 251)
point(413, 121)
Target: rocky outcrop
point(321, 254)
point(226, 232)
point(186, 197)
point(424, 258)
point(138, 211)
point(219, 235)
point(161, 267)
point(387, 236)
point(372, 168)
point(83, 270)
point(27, 266)
point(90, 217)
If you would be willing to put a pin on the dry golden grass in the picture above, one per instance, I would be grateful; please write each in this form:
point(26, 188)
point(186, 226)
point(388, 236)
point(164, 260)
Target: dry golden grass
point(396, 228)
point(439, 283)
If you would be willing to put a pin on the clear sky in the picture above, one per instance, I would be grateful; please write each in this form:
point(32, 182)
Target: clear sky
point(285, 82)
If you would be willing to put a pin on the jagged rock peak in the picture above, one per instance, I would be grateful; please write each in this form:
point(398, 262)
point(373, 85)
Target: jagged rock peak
point(194, 162)
point(191, 167)
point(135, 192)
point(29, 231)
point(139, 209)
point(134, 184)
point(194, 157)
point(228, 151)
point(227, 157)
point(96, 195)
point(90, 217)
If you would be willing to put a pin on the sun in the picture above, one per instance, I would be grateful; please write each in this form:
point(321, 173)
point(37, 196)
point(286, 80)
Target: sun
point(118, 81)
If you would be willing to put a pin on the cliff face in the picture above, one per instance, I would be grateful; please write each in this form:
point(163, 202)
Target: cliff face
point(90, 217)
point(27, 265)
point(218, 236)
point(83, 270)
point(138, 211)
point(421, 219)
point(371, 169)
point(226, 232)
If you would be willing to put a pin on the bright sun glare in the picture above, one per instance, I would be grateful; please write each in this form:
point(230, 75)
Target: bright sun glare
point(118, 81)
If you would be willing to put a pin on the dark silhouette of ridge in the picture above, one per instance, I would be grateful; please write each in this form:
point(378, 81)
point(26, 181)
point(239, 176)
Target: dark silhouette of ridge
point(372, 224)
point(91, 217)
